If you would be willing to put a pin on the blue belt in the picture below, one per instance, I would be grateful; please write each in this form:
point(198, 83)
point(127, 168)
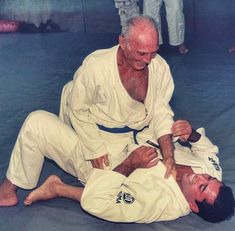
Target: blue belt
point(122, 130)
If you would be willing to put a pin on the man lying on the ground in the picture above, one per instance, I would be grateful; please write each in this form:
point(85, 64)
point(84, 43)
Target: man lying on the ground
point(136, 190)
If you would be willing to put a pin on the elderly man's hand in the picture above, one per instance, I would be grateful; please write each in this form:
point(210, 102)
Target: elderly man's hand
point(169, 163)
point(100, 162)
point(143, 157)
point(182, 129)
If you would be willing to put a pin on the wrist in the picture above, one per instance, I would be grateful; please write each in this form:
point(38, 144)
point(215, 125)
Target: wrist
point(168, 153)
point(125, 168)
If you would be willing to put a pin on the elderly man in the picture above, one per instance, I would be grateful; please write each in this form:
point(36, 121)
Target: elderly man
point(118, 96)
point(136, 190)
point(120, 92)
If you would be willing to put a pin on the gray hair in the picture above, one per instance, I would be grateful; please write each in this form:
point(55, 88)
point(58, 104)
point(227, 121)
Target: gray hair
point(138, 21)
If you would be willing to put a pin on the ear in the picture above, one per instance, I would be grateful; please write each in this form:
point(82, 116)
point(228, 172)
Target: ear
point(193, 206)
point(122, 42)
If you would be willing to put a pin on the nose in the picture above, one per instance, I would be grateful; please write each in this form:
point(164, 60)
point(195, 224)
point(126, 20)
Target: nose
point(147, 58)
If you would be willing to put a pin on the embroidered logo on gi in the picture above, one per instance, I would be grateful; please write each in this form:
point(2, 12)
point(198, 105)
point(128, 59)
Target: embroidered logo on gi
point(126, 197)
point(217, 167)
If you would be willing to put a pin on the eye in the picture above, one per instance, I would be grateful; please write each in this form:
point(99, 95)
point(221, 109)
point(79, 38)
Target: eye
point(203, 187)
point(141, 54)
point(153, 54)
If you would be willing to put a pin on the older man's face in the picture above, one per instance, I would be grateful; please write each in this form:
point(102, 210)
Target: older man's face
point(140, 49)
point(199, 187)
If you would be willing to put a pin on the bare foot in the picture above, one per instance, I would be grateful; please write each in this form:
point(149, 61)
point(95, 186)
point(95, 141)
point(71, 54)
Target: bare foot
point(8, 195)
point(183, 49)
point(45, 192)
point(232, 49)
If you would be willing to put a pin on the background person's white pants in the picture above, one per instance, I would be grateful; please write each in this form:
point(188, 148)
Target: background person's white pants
point(174, 18)
point(126, 9)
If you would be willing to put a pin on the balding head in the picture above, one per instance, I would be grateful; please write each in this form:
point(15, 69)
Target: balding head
point(139, 25)
point(139, 41)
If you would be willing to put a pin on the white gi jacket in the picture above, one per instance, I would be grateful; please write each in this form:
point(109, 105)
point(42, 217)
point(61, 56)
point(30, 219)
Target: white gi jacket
point(145, 196)
point(97, 96)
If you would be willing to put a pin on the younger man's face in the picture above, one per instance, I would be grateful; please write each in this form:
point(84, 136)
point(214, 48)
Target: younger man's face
point(199, 187)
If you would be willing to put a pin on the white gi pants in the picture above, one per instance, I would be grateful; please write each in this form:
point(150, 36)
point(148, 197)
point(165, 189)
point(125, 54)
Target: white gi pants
point(174, 17)
point(43, 134)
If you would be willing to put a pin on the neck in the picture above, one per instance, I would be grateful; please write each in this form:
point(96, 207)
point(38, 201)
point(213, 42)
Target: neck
point(121, 59)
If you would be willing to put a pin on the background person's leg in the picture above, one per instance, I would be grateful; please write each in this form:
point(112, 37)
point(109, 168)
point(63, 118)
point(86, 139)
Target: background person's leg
point(176, 23)
point(127, 9)
point(152, 8)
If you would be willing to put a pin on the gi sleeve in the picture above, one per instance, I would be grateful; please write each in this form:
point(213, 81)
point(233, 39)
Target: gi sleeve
point(163, 115)
point(206, 150)
point(113, 197)
point(203, 146)
point(85, 93)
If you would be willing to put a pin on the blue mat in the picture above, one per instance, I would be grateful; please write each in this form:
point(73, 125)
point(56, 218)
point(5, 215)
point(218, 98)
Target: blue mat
point(33, 70)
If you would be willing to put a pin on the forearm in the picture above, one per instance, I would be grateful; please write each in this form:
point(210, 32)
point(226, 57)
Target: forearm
point(141, 157)
point(124, 168)
point(166, 146)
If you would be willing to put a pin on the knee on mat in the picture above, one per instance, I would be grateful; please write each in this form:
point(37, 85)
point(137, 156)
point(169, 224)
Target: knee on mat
point(38, 116)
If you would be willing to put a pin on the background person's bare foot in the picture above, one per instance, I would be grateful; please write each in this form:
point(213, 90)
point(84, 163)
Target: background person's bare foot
point(8, 195)
point(45, 192)
point(232, 49)
point(183, 49)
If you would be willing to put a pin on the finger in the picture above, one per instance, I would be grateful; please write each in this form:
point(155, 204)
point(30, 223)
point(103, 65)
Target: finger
point(174, 173)
point(184, 138)
point(168, 172)
point(182, 131)
point(177, 130)
point(101, 165)
point(178, 123)
point(106, 160)
point(93, 164)
point(149, 150)
point(181, 123)
point(152, 163)
point(143, 147)
point(98, 163)
point(153, 155)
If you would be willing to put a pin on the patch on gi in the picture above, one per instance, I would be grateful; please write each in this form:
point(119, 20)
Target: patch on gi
point(125, 197)
point(214, 163)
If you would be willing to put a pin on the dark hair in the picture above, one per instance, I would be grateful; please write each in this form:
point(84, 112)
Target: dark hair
point(222, 209)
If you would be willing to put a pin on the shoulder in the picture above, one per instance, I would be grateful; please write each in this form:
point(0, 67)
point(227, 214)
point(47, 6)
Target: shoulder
point(158, 60)
point(98, 63)
point(160, 67)
point(102, 56)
